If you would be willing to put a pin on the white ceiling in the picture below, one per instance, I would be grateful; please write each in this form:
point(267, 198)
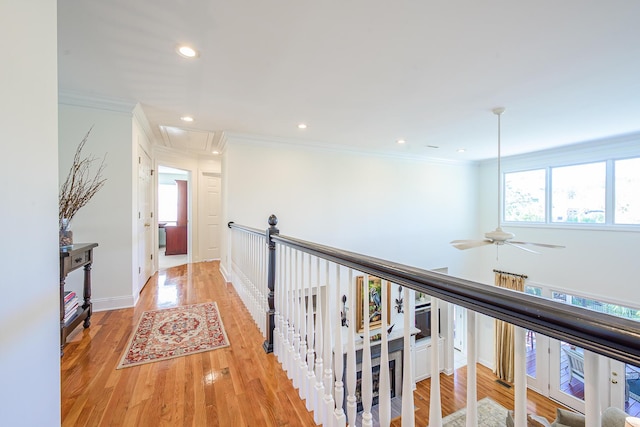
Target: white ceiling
point(364, 73)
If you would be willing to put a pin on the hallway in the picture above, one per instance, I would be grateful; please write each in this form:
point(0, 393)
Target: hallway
point(235, 386)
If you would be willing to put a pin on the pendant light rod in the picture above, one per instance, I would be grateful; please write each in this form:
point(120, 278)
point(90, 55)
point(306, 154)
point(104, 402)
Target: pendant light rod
point(498, 112)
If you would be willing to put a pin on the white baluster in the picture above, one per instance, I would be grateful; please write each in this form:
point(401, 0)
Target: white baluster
point(305, 293)
point(255, 281)
point(280, 302)
point(472, 380)
point(264, 288)
point(520, 378)
point(290, 328)
point(366, 384)
point(408, 417)
point(351, 354)
point(277, 291)
point(281, 294)
point(260, 285)
point(328, 403)
point(319, 386)
point(311, 377)
point(296, 322)
point(339, 416)
point(592, 389)
point(247, 276)
point(435, 404)
point(384, 385)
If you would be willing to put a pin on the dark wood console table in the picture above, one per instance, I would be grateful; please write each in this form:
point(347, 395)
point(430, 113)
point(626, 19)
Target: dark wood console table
point(72, 258)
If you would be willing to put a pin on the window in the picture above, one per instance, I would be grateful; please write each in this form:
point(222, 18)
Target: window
point(603, 192)
point(526, 194)
point(167, 202)
point(578, 193)
point(533, 290)
point(599, 306)
point(627, 193)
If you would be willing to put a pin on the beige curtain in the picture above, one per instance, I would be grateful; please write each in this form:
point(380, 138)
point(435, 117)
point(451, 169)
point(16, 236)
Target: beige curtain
point(504, 332)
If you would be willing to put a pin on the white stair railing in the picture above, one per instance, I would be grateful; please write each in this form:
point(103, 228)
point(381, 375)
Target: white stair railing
point(294, 291)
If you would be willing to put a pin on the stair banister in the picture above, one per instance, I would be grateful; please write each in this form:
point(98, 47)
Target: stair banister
point(296, 339)
point(610, 336)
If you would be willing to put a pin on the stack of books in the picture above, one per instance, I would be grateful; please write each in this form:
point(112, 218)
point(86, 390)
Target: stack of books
point(70, 306)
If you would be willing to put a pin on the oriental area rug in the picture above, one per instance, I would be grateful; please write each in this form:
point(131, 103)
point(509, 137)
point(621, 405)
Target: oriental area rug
point(490, 414)
point(175, 332)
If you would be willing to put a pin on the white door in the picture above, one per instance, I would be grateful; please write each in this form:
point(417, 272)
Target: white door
point(209, 216)
point(145, 219)
point(624, 387)
point(460, 329)
point(566, 374)
point(537, 363)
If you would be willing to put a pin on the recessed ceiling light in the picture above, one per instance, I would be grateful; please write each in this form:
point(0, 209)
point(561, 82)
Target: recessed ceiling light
point(461, 150)
point(302, 126)
point(186, 118)
point(401, 141)
point(216, 152)
point(187, 51)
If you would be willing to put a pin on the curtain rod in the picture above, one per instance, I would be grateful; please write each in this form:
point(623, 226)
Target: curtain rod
point(524, 276)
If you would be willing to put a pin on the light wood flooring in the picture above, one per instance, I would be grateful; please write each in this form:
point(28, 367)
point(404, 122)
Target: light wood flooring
point(238, 385)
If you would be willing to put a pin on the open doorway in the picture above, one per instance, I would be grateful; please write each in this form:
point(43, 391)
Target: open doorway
point(459, 336)
point(173, 193)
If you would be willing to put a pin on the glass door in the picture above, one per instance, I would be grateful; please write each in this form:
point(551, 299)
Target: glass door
point(566, 376)
point(537, 353)
point(625, 387)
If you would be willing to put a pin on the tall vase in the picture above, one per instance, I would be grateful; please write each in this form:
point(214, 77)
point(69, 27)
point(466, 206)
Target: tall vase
point(66, 235)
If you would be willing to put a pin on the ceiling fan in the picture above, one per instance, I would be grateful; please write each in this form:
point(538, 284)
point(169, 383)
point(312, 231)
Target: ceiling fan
point(498, 236)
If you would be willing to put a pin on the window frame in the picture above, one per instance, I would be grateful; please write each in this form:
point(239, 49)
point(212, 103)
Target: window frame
point(609, 204)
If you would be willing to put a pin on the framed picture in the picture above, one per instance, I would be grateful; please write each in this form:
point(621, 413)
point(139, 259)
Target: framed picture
point(375, 303)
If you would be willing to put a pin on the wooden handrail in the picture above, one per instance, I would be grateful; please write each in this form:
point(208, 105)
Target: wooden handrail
point(251, 230)
point(611, 336)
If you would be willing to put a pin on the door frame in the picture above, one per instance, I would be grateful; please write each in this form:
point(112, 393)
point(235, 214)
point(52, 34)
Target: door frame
point(191, 177)
point(146, 266)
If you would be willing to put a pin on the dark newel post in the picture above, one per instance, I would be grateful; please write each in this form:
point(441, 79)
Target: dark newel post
point(271, 283)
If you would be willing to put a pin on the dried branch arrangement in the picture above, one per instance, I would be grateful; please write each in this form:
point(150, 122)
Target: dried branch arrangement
point(81, 184)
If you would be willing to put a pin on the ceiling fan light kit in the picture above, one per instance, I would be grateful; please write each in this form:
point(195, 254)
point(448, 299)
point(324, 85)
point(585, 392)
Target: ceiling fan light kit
point(498, 236)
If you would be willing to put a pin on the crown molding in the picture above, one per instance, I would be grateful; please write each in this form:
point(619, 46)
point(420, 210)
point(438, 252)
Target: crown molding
point(78, 99)
point(174, 152)
point(232, 137)
point(618, 146)
point(141, 117)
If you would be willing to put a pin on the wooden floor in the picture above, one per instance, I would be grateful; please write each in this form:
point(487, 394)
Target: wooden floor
point(453, 395)
point(238, 385)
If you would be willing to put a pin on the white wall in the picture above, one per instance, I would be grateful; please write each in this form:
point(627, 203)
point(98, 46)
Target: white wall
point(408, 211)
point(194, 165)
point(401, 210)
point(29, 308)
point(108, 219)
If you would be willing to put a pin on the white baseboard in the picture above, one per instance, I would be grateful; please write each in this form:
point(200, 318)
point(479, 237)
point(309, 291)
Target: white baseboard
point(115, 303)
point(225, 274)
point(487, 363)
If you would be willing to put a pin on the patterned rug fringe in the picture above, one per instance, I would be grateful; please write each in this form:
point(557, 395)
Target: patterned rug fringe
point(175, 332)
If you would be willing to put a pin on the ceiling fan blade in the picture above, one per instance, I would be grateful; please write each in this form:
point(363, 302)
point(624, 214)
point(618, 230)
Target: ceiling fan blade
point(544, 245)
point(468, 244)
point(521, 248)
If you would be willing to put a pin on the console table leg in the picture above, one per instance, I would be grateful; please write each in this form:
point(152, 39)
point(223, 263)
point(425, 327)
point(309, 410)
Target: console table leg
point(87, 294)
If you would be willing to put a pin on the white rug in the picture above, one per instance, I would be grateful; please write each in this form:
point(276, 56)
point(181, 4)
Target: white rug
point(490, 414)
